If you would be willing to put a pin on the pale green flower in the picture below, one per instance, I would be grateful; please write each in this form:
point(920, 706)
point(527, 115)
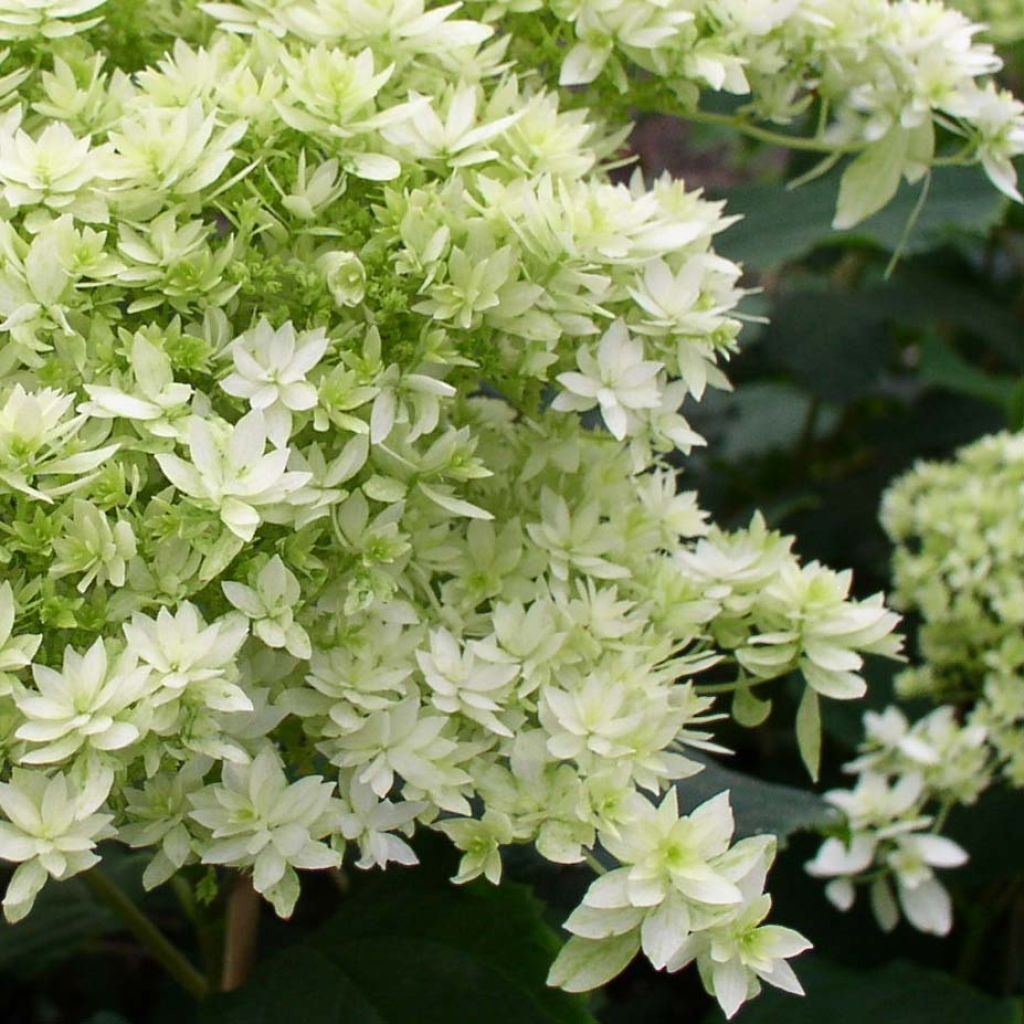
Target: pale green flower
point(52, 829)
point(616, 378)
point(345, 276)
point(481, 841)
point(188, 657)
point(56, 170)
point(373, 824)
point(89, 545)
point(157, 817)
point(233, 474)
point(257, 819)
point(464, 682)
point(271, 606)
point(270, 371)
point(16, 652)
point(96, 702)
point(152, 397)
point(48, 19)
point(38, 438)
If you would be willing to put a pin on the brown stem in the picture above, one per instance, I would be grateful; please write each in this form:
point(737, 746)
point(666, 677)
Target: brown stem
point(241, 933)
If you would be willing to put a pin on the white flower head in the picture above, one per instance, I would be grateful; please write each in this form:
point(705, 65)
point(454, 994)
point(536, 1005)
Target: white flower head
point(616, 378)
point(270, 372)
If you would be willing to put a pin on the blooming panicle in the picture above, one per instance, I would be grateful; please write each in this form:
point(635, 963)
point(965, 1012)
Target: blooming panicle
point(956, 564)
point(890, 75)
point(337, 380)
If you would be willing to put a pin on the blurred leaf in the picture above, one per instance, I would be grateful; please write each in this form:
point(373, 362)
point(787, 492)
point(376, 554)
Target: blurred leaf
point(759, 807)
point(410, 946)
point(899, 993)
point(779, 226)
point(1015, 407)
point(836, 346)
point(992, 832)
point(66, 917)
point(761, 417)
point(918, 296)
point(942, 366)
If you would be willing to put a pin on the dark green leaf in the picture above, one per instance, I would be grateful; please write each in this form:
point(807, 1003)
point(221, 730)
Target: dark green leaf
point(943, 367)
point(920, 298)
point(66, 917)
point(779, 226)
point(899, 993)
point(836, 346)
point(759, 807)
point(1015, 407)
point(992, 832)
point(761, 417)
point(409, 946)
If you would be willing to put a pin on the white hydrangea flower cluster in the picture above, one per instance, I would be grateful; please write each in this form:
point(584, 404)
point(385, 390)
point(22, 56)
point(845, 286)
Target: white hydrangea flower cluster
point(882, 76)
point(957, 565)
point(306, 544)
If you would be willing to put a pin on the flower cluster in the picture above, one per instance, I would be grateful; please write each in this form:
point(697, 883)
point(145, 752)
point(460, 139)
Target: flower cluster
point(957, 565)
point(883, 79)
point(336, 380)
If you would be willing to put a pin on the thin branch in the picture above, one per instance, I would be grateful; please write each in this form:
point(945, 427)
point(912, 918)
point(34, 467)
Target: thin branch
point(773, 138)
point(173, 961)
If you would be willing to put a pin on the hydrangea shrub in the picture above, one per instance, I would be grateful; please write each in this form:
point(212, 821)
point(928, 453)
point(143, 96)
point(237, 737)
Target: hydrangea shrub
point(338, 381)
point(957, 567)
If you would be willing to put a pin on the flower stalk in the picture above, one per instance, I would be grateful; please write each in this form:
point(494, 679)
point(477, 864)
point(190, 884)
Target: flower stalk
point(173, 961)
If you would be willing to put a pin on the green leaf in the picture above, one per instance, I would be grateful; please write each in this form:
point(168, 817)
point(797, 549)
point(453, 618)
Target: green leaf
point(1015, 407)
point(899, 993)
point(66, 917)
point(871, 180)
point(779, 227)
point(808, 731)
point(761, 417)
point(410, 946)
point(759, 807)
point(920, 296)
point(992, 832)
point(942, 366)
point(835, 346)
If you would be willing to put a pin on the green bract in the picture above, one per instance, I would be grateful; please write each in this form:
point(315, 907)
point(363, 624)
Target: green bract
point(306, 542)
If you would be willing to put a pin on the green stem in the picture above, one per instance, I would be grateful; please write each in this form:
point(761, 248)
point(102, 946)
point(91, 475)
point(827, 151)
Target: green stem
point(206, 933)
point(169, 956)
point(709, 688)
point(773, 138)
point(594, 863)
point(943, 813)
